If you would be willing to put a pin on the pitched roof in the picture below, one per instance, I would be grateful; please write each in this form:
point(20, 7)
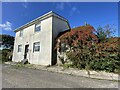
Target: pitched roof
point(47, 15)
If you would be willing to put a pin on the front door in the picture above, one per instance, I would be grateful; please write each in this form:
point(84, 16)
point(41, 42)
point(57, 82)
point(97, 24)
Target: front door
point(26, 51)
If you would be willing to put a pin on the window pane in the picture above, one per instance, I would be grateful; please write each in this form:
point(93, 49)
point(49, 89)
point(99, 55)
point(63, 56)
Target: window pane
point(21, 33)
point(36, 46)
point(37, 27)
point(19, 48)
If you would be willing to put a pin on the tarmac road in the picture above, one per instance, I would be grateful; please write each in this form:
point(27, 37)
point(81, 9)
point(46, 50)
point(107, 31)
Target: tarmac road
point(13, 77)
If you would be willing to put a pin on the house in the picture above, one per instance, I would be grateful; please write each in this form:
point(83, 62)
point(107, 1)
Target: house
point(35, 40)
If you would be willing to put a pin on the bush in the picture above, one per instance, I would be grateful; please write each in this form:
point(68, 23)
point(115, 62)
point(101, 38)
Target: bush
point(6, 55)
point(82, 58)
point(86, 52)
point(91, 60)
point(99, 56)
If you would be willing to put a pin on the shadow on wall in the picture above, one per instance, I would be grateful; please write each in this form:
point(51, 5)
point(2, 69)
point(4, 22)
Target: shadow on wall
point(54, 55)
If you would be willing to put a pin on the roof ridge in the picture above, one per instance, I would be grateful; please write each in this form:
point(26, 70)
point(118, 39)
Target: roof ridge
point(44, 16)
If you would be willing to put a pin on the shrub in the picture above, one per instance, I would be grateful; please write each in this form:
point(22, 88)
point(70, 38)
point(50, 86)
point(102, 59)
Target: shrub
point(86, 61)
point(92, 59)
point(87, 53)
point(82, 58)
point(6, 55)
point(83, 35)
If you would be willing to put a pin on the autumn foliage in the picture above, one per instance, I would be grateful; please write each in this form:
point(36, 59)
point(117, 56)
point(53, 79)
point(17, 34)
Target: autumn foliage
point(86, 52)
point(84, 35)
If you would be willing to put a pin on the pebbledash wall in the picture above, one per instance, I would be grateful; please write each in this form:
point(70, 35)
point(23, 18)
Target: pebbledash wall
point(50, 26)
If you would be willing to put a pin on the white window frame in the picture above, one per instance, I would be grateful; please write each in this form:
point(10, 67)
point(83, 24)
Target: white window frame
point(19, 48)
point(38, 27)
point(36, 45)
point(21, 33)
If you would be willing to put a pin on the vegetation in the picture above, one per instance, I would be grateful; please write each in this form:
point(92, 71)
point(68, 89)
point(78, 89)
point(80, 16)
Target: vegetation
point(6, 55)
point(104, 32)
point(6, 51)
point(91, 49)
point(7, 41)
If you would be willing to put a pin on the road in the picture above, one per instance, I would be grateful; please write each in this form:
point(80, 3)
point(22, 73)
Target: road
point(13, 77)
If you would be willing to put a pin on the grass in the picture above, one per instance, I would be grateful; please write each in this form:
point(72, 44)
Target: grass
point(67, 66)
point(21, 65)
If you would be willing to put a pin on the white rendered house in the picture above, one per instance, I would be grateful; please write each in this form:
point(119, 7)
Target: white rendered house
point(35, 40)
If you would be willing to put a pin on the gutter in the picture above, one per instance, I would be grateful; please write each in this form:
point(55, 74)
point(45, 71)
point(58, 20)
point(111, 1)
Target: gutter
point(47, 15)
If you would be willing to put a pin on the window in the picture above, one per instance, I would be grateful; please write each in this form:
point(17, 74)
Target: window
point(21, 33)
point(37, 27)
point(36, 46)
point(19, 48)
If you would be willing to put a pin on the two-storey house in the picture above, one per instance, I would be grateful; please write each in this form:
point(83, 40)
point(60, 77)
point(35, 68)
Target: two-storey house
point(35, 40)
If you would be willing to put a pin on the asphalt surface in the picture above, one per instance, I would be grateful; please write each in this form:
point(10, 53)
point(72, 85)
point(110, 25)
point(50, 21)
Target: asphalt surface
point(13, 77)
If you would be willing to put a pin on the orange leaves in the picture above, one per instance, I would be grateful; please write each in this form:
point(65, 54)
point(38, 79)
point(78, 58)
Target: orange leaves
point(110, 45)
point(84, 36)
point(82, 33)
point(85, 50)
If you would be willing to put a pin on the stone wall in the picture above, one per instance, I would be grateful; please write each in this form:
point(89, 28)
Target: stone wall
point(61, 54)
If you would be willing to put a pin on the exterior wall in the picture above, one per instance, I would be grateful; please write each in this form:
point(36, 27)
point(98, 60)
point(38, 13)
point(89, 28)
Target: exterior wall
point(50, 28)
point(43, 57)
point(18, 56)
point(58, 26)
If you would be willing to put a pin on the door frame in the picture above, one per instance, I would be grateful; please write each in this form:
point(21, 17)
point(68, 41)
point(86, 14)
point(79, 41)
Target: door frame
point(26, 51)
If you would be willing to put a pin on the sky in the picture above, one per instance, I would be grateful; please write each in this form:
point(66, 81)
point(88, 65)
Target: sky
point(16, 14)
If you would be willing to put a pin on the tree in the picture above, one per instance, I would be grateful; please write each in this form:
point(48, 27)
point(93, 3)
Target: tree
point(105, 32)
point(7, 41)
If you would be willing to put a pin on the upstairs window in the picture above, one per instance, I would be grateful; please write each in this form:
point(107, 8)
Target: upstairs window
point(19, 48)
point(21, 33)
point(37, 27)
point(36, 46)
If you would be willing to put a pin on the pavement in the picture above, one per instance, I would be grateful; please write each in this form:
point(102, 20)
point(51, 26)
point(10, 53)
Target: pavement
point(78, 72)
point(13, 77)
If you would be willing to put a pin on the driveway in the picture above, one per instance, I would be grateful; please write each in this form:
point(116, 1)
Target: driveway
point(13, 77)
